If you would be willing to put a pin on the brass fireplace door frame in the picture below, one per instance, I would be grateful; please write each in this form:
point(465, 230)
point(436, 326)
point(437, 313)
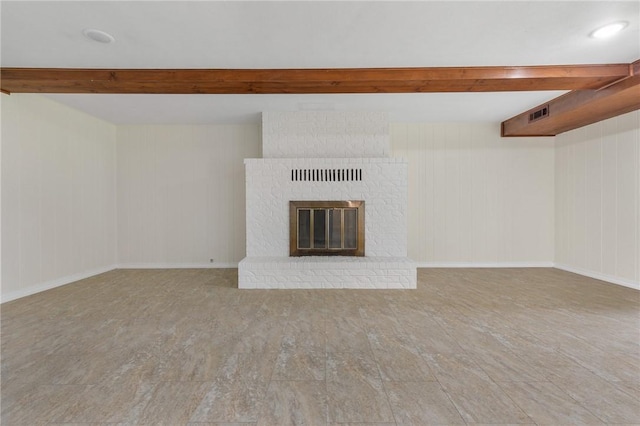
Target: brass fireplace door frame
point(294, 206)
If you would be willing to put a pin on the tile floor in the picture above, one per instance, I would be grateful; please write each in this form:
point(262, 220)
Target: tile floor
point(469, 346)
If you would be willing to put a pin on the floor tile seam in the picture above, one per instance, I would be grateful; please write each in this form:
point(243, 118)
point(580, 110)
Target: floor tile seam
point(406, 334)
point(369, 381)
point(623, 389)
point(456, 353)
point(234, 423)
point(581, 364)
point(509, 397)
point(384, 388)
point(447, 333)
point(522, 381)
point(290, 321)
point(410, 380)
point(375, 358)
point(157, 382)
point(386, 394)
point(399, 330)
point(537, 370)
point(613, 383)
point(37, 384)
point(566, 358)
point(504, 319)
point(625, 354)
point(295, 332)
point(326, 356)
point(584, 341)
point(501, 390)
point(389, 351)
point(332, 349)
point(577, 402)
point(314, 349)
point(453, 404)
point(413, 381)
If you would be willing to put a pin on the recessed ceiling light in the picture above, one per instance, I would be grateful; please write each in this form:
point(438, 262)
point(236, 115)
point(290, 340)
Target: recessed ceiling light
point(99, 36)
point(609, 30)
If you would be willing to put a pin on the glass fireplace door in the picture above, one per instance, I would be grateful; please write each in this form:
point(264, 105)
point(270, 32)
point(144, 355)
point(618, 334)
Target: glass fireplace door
point(327, 228)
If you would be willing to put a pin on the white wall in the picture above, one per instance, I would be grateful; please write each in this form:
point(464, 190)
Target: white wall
point(598, 200)
point(325, 134)
point(476, 199)
point(181, 194)
point(58, 195)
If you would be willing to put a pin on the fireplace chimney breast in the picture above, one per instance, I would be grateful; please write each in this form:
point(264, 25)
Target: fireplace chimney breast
point(321, 156)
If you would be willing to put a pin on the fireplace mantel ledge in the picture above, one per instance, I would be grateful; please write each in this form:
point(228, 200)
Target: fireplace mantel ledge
point(327, 259)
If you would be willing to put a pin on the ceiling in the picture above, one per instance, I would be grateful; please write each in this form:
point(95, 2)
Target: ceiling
point(312, 34)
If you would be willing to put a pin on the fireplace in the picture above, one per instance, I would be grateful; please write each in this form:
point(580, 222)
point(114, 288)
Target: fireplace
point(326, 228)
point(296, 236)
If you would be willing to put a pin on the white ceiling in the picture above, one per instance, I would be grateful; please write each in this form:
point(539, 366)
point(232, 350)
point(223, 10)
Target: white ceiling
point(312, 34)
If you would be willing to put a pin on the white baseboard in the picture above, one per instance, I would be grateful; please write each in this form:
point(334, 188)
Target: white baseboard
point(216, 265)
point(86, 274)
point(598, 276)
point(484, 264)
point(54, 283)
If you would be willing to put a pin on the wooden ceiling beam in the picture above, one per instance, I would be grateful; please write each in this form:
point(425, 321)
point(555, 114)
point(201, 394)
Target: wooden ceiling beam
point(579, 108)
point(597, 92)
point(309, 81)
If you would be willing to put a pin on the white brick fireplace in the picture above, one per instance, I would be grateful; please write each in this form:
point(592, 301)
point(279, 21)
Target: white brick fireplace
point(326, 156)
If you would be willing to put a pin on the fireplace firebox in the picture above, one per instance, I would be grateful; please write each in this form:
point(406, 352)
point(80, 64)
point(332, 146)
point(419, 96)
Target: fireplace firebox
point(326, 228)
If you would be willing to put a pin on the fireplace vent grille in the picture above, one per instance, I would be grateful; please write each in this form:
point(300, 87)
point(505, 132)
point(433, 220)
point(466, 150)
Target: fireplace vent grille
point(326, 175)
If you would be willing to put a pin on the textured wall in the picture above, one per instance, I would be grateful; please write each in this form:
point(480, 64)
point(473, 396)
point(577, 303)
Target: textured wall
point(311, 134)
point(181, 198)
point(269, 190)
point(598, 200)
point(58, 195)
point(476, 199)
